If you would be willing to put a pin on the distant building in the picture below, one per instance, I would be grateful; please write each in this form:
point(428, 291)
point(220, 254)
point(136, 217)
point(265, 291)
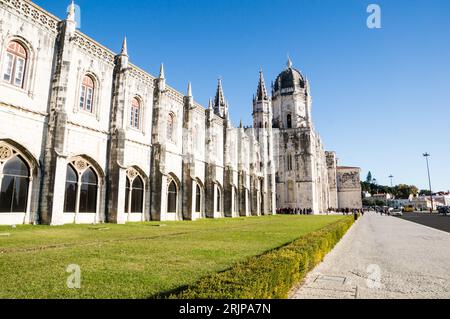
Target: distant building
point(383, 197)
point(424, 202)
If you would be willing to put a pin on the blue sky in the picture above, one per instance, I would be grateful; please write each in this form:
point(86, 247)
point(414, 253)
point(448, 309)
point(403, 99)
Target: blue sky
point(381, 97)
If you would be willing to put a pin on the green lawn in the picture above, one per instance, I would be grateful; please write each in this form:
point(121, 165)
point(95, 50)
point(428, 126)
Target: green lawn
point(136, 260)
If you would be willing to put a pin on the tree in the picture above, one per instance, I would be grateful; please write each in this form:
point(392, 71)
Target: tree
point(425, 192)
point(403, 191)
point(369, 178)
point(366, 187)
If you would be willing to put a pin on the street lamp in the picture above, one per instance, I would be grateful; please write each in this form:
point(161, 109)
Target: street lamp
point(426, 155)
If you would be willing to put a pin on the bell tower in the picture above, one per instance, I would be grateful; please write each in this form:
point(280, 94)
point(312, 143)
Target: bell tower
point(291, 99)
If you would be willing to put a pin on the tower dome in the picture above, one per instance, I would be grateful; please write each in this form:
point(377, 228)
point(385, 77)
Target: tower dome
point(289, 79)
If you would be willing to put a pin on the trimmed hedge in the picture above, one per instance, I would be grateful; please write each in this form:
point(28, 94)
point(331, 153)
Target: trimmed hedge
point(273, 274)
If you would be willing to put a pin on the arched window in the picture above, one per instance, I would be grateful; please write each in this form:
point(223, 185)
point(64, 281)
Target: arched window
point(261, 195)
point(289, 164)
point(71, 190)
point(170, 127)
point(87, 94)
point(236, 200)
point(198, 199)
point(246, 193)
point(135, 114)
point(81, 188)
point(14, 187)
point(88, 192)
point(219, 199)
point(137, 195)
point(172, 197)
point(15, 64)
point(289, 121)
point(127, 196)
point(134, 196)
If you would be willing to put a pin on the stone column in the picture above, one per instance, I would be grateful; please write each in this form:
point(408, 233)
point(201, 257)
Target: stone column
point(121, 216)
point(143, 203)
point(158, 181)
point(188, 205)
point(26, 219)
point(57, 218)
point(228, 192)
point(97, 204)
point(163, 199)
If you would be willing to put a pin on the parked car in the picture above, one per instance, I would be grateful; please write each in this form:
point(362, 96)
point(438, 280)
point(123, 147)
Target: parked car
point(408, 209)
point(444, 210)
point(397, 212)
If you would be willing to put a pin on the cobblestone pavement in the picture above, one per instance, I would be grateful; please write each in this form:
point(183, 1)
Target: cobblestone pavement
point(383, 257)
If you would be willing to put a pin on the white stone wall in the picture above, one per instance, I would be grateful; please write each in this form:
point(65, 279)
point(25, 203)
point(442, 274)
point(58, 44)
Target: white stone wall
point(349, 187)
point(23, 110)
point(332, 179)
point(52, 92)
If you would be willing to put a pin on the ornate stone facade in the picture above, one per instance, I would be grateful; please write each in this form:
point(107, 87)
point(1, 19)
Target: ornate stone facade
point(349, 187)
point(88, 137)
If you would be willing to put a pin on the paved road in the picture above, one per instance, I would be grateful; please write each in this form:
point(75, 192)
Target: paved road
point(383, 257)
point(431, 220)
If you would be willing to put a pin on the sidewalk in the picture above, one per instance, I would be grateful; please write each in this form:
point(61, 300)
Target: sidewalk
point(383, 257)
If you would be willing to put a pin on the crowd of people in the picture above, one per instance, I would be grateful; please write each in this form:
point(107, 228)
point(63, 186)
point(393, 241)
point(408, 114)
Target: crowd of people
point(309, 211)
point(294, 211)
point(346, 211)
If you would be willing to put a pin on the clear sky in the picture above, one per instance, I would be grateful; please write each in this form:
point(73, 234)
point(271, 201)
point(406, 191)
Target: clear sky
point(381, 97)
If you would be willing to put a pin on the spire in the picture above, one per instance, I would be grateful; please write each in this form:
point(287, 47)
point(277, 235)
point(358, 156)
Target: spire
point(162, 79)
point(220, 97)
point(189, 90)
point(289, 63)
point(71, 12)
point(161, 72)
point(210, 104)
point(261, 93)
point(124, 50)
point(220, 105)
point(240, 124)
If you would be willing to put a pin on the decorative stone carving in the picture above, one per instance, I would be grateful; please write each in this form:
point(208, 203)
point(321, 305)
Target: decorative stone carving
point(349, 180)
point(5, 152)
point(93, 49)
point(142, 76)
point(28, 9)
point(81, 165)
point(132, 173)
